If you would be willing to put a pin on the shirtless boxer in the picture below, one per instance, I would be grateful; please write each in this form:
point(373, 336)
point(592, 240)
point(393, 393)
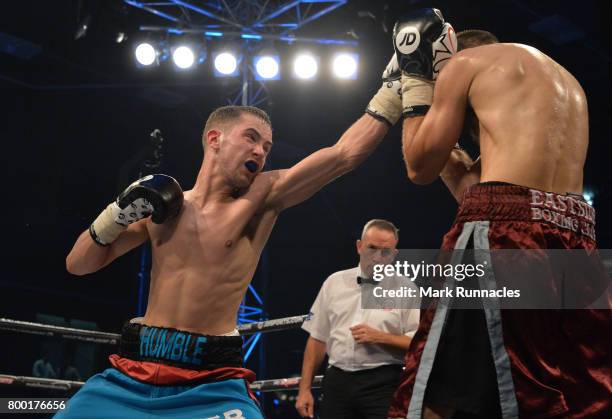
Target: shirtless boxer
point(184, 357)
point(533, 134)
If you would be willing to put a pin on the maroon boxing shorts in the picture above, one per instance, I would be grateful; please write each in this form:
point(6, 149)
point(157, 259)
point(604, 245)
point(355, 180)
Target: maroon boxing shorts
point(511, 363)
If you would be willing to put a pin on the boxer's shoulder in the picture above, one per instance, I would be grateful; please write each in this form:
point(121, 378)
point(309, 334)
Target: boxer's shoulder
point(503, 54)
point(165, 230)
point(263, 185)
point(486, 62)
point(470, 59)
point(268, 178)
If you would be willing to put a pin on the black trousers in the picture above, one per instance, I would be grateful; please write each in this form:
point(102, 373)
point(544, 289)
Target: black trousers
point(361, 394)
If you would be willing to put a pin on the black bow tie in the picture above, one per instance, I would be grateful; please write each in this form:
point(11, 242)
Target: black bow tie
point(361, 280)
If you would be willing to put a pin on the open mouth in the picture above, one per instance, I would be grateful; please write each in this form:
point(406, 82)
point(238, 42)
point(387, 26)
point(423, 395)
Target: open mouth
point(251, 166)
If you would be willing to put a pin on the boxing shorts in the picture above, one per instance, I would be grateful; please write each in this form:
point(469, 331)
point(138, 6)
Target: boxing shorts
point(512, 363)
point(163, 372)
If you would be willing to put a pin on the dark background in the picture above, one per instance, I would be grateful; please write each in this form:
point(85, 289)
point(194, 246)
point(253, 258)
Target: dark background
point(77, 112)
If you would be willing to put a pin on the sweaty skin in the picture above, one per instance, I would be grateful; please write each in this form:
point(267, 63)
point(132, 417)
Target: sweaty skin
point(204, 259)
point(532, 114)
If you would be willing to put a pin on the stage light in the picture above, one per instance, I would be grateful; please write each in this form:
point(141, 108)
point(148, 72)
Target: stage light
point(225, 64)
point(183, 57)
point(188, 53)
point(305, 66)
point(588, 196)
point(267, 67)
point(344, 66)
point(145, 54)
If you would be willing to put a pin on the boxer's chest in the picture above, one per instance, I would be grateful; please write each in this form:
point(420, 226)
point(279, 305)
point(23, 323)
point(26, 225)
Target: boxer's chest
point(211, 233)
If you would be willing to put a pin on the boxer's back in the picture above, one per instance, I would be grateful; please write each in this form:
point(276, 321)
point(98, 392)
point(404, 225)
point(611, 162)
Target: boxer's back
point(533, 118)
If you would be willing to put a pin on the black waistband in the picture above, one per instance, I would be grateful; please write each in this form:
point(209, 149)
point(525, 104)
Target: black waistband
point(179, 348)
point(391, 368)
point(497, 182)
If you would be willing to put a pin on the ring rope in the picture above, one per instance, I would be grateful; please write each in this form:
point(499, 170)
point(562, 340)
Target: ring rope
point(113, 338)
point(59, 331)
point(65, 385)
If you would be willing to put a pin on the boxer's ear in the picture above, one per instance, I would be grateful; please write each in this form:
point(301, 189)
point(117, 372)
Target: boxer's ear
point(213, 138)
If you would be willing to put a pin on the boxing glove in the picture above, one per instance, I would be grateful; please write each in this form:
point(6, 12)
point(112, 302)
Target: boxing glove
point(423, 43)
point(387, 102)
point(157, 195)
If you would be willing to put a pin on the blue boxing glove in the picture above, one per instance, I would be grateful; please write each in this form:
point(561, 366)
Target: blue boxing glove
point(423, 43)
point(158, 195)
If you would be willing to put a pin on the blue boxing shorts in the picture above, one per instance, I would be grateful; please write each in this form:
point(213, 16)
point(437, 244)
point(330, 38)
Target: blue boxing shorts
point(161, 372)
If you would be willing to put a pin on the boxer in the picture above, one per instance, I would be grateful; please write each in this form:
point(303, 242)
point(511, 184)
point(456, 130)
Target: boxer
point(184, 357)
point(532, 127)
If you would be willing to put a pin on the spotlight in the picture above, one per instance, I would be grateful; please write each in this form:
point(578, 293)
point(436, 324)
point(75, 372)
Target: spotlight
point(344, 66)
point(305, 66)
point(183, 57)
point(588, 196)
point(188, 53)
point(267, 67)
point(226, 64)
point(145, 54)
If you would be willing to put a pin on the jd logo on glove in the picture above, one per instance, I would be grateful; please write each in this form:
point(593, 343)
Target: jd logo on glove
point(408, 39)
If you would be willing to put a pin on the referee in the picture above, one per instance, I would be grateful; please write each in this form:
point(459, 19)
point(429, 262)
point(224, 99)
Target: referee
point(365, 346)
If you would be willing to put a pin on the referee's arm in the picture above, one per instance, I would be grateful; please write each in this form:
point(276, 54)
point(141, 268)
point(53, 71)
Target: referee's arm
point(314, 354)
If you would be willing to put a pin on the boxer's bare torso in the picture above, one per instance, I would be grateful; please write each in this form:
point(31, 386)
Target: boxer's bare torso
point(532, 113)
point(204, 260)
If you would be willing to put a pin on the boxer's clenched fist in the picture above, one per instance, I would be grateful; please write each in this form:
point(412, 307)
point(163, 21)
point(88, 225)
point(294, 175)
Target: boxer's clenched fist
point(158, 195)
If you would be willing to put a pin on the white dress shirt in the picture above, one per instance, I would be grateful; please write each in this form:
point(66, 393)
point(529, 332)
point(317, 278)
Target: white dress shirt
point(338, 307)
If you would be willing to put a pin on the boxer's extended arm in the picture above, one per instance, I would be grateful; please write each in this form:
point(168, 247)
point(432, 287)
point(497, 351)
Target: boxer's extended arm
point(427, 141)
point(460, 172)
point(87, 256)
point(300, 182)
